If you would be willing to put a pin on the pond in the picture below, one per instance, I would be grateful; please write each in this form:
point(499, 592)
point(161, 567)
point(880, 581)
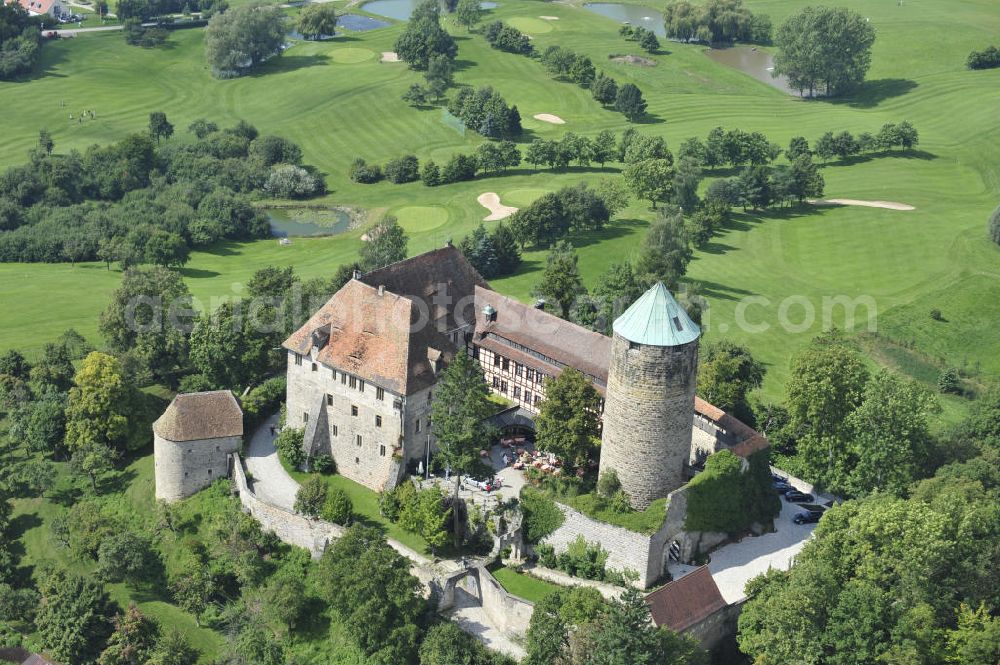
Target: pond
point(359, 23)
point(304, 222)
point(752, 61)
point(631, 14)
point(401, 9)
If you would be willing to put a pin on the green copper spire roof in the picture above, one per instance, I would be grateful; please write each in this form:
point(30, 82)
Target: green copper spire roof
point(656, 319)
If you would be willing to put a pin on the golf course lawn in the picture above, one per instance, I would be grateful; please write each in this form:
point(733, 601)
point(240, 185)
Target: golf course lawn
point(339, 105)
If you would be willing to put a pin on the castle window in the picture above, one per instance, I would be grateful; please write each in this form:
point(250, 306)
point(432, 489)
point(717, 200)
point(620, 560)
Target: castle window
point(538, 398)
point(305, 416)
point(358, 439)
point(496, 359)
point(380, 393)
point(333, 431)
point(343, 378)
point(518, 369)
point(475, 352)
point(496, 382)
point(505, 365)
point(357, 461)
point(527, 397)
point(378, 421)
point(530, 375)
point(381, 451)
point(430, 396)
point(517, 392)
point(416, 425)
point(329, 399)
point(361, 385)
point(333, 374)
point(354, 410)
point(503, 387)
point(315, 367)
point(354, 382)
point(209, 472)
point(298, 359)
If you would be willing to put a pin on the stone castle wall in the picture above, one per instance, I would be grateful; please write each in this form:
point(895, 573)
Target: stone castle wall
point(381, 423)
point(292, 528)
point(647, 417)
point(182, 468)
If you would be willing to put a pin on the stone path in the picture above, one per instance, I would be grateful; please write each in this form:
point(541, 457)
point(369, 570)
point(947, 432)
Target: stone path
point(271, 483)
point(471, 617)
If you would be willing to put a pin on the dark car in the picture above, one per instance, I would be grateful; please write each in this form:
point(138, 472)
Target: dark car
point(781, 487)
point(807, 517)
point(778, 478)
point(796, 496)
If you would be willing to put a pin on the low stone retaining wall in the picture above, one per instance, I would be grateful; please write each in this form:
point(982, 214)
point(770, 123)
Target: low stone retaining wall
point(609, 591)
point(508, 613)
point(292, 528)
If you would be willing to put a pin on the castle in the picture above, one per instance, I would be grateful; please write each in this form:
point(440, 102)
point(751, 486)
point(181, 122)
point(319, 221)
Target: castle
point(361, 374)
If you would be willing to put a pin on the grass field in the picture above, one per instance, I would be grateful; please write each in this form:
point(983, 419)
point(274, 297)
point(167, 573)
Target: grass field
point(338, 105)
point(524, 586)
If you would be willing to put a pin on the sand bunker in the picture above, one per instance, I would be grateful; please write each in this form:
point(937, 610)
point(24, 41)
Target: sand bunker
point(888, 205)
point(491, 201)
point(549, 18)
point(548, 117)
point(390, 56)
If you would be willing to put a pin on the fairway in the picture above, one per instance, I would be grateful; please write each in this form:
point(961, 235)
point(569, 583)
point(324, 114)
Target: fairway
point(337, 101)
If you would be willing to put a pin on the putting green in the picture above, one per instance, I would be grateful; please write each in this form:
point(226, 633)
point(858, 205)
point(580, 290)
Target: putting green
point(521, 198)
point(532, 26)
point(416, 219)
point(351, 56)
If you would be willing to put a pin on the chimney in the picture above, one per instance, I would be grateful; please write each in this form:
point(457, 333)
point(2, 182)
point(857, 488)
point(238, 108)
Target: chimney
point(489, 314)
point(447, 243)
point(357, 274)
point(381, 289)
point(540, 304)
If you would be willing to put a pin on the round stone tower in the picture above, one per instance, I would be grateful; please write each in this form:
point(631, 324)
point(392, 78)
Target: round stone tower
point(649, 401)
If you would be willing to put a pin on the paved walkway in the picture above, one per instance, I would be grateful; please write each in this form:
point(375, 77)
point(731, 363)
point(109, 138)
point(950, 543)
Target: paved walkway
point(468, 613)
point(271, 483)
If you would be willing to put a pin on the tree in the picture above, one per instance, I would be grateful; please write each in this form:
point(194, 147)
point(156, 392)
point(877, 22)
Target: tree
point(651, 179)
point(254, 645)
point(440, 72)
point(386, 244)
point(74, 616)
point(468, 13)
point(430, 174)
point(167, 249)
point(159, 126)
point(447, 644)
point(461, 403)
point(424, 37)
point(311, 497)
point(561, 281)
point(41, 425)
point(369, 586)
point(686, 181)
point(756, 187)
point(133, 640)
point(568, 420)
point(797, 147)
point(993, 226)
point(828, 46)
point(649, 42)
point(479, 248)
point(806, 180)
point(337, 507)
point(629, 102)
point(604, 89)
point(561, 625)
point(98, 410)
point(890, 435)
point(93, 460)
point(727, 372)
point(147, 323)
point(229, 348)
point(827, 385)
point(402, 170)
point(202, 128)
point(53, 371)
point(191, 587)
point(665, 252)
point(317, 21)
point(285, 599)
point(243, 37)
point(415, 95)
point(173, 649)
point(427, 516)
point(126, 557)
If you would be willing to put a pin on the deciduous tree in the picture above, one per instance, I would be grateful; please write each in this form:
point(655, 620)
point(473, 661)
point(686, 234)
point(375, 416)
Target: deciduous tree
point(568, 421)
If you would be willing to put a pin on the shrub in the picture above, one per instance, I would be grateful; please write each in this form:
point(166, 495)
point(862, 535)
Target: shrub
point(620, 503)
point(288, 181)
point(362, 172)
point(324, 464)
point(289, 445)
point(936, 314)
point(261, 402)
point(994, 226)
point(988, 58)
point(949, 382)
point(459, 168)
point(546, 555)
point(337, 507)
point(310, 500)
point(391, 503)
point(725, 497)
point(608, 484)
point(541, 515)
point(431, 174)
point(404, 169)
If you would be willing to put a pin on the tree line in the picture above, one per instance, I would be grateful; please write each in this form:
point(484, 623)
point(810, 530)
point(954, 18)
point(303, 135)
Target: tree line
point(716, 21)
point(20, 40)
point(644, 37)
point(489, 158)
point(140, 201)
point(562, 63)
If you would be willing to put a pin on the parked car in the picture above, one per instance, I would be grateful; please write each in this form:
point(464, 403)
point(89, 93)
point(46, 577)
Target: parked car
point(795, 496)
point(778, 478)
point(782, 487)
point(486, 485)
point(807, 517)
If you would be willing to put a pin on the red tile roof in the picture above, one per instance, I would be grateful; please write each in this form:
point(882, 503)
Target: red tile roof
point(379, 336)
point(37, 6)
point(686, 602)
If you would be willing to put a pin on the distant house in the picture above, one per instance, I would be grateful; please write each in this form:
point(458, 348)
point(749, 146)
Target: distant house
point(693, 605)
point(54, 8)
point(20, 656)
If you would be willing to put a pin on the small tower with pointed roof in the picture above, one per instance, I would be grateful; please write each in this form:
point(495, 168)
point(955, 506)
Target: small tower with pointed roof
point(649, 402)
